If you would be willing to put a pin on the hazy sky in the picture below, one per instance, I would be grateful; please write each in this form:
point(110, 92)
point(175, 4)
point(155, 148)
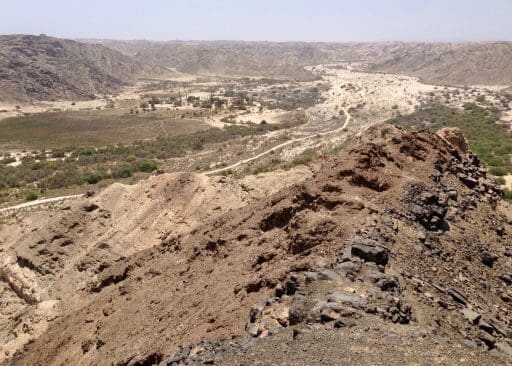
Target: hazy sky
point(273, 20)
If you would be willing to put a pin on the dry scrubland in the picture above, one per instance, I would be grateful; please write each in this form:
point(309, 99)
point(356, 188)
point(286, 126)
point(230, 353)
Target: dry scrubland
point(228, 219)
point(207, 123)
point(55, 130)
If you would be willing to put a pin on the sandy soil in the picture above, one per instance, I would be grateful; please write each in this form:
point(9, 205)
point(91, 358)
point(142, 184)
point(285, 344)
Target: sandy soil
point(40, 107)
point(373, 98)
point(508, 181)
point(507, 116)
point(376, 94)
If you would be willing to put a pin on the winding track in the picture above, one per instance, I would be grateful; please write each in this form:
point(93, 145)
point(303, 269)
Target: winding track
point(22, 206)
point(289, 142)
point(38, 203)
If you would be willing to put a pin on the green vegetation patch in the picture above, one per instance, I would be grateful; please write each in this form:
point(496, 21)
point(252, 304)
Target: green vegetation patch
point(488, 137)
point(91, 128)
point(70, 167)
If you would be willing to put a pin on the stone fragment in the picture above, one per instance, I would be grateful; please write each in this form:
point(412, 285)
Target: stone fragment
point(297, 311)
point(488, 339)
point(471, 315)
point(504, 348)
point(457, 296)
point(468, 181)
point(371, 253)
point(90, 206)
point(489, 258)
point(329, 275)
point(506, 278)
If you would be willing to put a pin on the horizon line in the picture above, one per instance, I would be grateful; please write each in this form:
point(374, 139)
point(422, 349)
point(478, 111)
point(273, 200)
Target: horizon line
point(261, 41)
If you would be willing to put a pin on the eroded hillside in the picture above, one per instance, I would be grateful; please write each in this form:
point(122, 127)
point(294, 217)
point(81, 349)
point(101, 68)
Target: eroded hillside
point(435, 63)
point(400, 237)
point(47, 68)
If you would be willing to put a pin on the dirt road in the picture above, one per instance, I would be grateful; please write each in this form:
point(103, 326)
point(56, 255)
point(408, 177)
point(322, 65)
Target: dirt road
point(289, 142)
point(25, 205)
point(21, 206)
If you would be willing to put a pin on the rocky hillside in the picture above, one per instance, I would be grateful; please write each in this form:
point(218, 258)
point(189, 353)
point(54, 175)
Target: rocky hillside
point(397, 250)
point(226, 58)
point(436, 63)
point(45, 68)
point(453, 64)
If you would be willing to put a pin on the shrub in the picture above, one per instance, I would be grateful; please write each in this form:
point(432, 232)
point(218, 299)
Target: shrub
point(32, 196)
point(507, 194)
point(489, 139)
point(227, 172)
point(36, 165)
point(123, 171)
point(85, 152)
point(305, 158)
point(119, 160)
point(130, 158)
point(7, 160)
point(92, 177)
point(12, 182)
point(146, 166)
point(61, 179)
point(58, 154)
point(52, 165)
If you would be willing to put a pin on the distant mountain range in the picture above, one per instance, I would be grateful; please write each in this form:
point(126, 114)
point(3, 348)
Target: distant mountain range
point(451, 63)
point(436, 63)
point(46, 68)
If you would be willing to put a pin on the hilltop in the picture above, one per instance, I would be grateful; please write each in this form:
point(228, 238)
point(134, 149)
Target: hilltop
point(452, 64)
point(400, 237)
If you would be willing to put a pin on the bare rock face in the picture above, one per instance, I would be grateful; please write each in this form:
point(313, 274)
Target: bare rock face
point(455, 137)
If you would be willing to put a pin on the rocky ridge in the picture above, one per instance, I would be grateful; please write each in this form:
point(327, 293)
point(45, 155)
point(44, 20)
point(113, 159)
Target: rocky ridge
point(360, 283)
point(399, 242)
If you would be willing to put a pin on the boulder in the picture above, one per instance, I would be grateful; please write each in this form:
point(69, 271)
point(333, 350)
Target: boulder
point(371, 253)
point(454, 137)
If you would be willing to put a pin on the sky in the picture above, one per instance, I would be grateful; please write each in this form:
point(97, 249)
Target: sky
point(262, 20)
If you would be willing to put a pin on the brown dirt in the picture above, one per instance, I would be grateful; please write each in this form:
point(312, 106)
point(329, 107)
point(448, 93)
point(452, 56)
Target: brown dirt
point(132, 298)
point(47, 256)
